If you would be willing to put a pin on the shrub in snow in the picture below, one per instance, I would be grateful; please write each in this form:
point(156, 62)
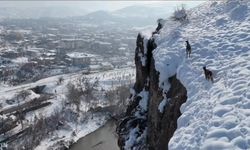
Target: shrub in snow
point(38, 131)
point(89, 88)
point(21, 96)
point(162, 105)
point(180, 14)
point(74, 95)
point(118, 97)
point(82, 90)
point(60, 80)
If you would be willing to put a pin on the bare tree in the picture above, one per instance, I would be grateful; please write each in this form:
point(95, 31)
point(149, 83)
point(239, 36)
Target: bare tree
point(74, 95)
point(120, 95)
point(180, 14)
point(82, 90)
point(118, 98)
point(60, 80)
point(89, 89)
point(123, 93)
point(111, 96)
point(21, 97)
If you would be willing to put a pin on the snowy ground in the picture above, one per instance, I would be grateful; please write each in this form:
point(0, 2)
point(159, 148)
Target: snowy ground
point(66, 135)
point(216, 115)
point(107, 80)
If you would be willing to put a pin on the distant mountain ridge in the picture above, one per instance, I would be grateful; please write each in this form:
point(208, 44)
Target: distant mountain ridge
point(131, 15)
point(40, 12)
point(136, 15)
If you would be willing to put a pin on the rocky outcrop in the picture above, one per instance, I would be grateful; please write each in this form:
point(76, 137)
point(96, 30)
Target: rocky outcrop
point(135, 116)
point(150, 128)
point(161, 126)
point(141, 70)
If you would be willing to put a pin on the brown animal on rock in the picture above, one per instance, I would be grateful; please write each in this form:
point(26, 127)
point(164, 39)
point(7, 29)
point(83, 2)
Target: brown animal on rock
point(208, 74)
point(188, 49)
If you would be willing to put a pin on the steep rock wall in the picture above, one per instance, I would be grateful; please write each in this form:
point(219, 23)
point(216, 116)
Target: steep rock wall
point(161, 126)
point(150, 128)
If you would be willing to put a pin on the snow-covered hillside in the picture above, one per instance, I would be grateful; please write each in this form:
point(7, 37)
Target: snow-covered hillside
point(216, 115)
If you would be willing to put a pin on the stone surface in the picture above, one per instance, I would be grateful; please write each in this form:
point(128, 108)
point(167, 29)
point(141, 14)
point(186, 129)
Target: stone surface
point(159, 127)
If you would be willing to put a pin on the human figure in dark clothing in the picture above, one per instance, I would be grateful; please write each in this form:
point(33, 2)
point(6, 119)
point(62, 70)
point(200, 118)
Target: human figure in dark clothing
point(188, 49)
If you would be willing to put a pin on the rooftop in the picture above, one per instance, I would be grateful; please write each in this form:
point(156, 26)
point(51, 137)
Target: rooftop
point(79, 55)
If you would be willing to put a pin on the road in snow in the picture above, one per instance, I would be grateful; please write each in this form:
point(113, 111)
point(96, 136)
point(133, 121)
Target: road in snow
point(54, 79)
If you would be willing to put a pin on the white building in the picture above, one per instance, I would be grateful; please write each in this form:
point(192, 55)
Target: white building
point(81, 59)
point(106, 66)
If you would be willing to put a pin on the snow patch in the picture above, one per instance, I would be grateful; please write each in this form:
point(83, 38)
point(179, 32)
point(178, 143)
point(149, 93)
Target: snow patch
point(144, 101)
point(162, 105)
point(131, 139)
point(215, 115)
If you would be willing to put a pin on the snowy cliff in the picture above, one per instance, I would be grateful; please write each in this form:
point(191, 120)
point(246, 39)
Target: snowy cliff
point(169, 86)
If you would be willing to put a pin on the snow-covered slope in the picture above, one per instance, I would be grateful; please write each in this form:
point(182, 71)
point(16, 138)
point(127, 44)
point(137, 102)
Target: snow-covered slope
point(216, 115)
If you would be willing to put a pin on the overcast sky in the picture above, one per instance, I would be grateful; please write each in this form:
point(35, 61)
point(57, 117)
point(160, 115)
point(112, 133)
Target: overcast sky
point(95, 5)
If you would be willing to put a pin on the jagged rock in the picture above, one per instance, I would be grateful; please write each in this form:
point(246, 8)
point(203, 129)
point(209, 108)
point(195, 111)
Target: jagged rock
point(131, 120)
point(159, 127)
point(141, 71)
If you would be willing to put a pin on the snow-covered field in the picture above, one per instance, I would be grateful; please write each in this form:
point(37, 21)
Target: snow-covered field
point(216, 115)
point(81, 130)
point(108, 80)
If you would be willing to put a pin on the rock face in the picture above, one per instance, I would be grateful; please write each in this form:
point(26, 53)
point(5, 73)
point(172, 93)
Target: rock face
point(150, 129)
point(135, 116)
point(141, 71)
point(161, 126)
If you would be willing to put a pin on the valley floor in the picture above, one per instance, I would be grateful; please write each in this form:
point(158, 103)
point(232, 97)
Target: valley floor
point(69, 126)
